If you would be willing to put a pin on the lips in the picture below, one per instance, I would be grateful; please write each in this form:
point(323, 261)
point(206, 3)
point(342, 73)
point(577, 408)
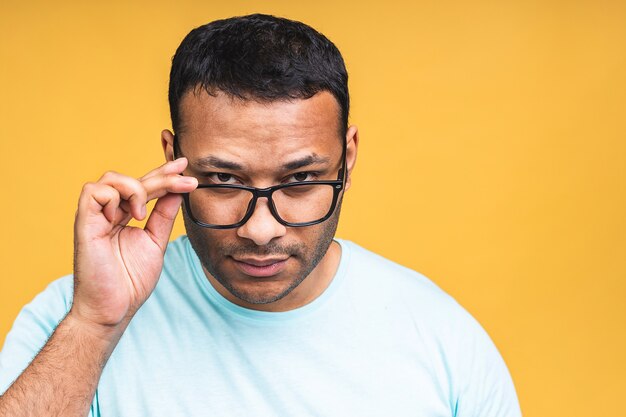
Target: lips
point(260, 267)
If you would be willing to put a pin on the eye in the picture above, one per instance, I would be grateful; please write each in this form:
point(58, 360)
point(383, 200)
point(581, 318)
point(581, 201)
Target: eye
point(221, 178)
point(303, 176)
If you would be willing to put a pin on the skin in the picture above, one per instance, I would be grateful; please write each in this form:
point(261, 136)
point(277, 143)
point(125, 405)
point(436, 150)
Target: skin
point(116, 267)
point(229, 129)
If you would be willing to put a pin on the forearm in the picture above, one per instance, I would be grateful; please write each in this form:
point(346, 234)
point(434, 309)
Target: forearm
point(62, 378)
point(116, 268)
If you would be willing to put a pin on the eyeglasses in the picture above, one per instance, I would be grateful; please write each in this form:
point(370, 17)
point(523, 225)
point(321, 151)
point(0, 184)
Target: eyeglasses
point(295, 204)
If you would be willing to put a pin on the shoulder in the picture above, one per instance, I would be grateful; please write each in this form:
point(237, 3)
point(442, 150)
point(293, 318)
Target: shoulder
point(47, 309)
point(388, 279)
point(53, 302)
point(458, 348)
point(411, 298)
point(32, 328)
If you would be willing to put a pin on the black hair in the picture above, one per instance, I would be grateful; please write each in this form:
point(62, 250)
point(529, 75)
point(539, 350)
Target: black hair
point(258, 57)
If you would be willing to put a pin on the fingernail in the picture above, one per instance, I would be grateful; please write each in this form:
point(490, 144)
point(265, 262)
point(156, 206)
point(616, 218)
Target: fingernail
point(189, 180)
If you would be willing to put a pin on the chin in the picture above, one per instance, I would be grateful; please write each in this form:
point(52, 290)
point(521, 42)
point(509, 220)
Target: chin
point(261, 292)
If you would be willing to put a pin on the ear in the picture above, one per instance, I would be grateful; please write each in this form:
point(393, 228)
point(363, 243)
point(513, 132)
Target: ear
point(167, 141)
point(352, 144)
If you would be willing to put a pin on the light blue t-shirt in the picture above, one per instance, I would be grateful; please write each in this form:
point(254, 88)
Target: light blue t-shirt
point(382, 340)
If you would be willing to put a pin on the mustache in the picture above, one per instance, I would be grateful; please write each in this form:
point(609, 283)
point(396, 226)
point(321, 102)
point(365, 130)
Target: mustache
point(251, 250)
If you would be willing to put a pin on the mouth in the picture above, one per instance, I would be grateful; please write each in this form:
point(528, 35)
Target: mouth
point(260, 267)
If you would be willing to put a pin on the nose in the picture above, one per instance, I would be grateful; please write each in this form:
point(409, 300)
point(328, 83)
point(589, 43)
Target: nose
point(261, 227)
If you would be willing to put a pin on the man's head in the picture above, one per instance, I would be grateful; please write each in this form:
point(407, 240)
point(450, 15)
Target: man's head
point(259, 101)
point(258, 57)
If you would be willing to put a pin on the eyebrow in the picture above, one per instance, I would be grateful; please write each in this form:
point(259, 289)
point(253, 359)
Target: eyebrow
point(213, 161)
point(305, 161)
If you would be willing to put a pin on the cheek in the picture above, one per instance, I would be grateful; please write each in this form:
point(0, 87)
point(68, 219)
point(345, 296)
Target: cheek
point(315, 239)
point(217, 241)
point(208, 239)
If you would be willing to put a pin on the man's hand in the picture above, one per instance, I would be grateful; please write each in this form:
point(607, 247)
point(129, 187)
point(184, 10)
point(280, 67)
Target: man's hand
point(116, 267)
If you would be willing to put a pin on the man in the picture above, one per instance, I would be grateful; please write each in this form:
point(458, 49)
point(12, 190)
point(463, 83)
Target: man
point(258, 310)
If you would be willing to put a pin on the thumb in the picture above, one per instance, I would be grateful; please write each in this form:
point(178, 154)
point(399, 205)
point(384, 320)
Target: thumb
point(161, 221)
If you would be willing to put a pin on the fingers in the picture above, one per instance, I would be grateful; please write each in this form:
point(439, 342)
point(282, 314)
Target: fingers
point(98, 197)
point(166, 179)
point(120, 198)
point(173, 167)
point(161, 220)
point(155, 184)
point(99, 207)
point(159, 185)
point(129, 190)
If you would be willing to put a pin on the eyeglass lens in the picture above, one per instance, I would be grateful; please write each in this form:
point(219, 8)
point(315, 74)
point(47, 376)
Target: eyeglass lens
point(294, 204)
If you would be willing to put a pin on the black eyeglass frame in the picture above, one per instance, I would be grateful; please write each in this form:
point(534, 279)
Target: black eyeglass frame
point(338, 185)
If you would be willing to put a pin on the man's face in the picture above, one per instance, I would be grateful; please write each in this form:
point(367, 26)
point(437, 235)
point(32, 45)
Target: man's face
point(229, 141)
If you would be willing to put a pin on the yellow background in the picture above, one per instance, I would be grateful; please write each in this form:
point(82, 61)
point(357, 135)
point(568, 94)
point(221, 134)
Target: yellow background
point(492, 156)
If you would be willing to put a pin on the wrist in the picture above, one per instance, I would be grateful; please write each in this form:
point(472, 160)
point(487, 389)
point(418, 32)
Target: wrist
point(106, 333)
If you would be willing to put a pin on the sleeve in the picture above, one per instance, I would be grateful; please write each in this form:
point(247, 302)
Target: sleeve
point(31, 330)
point(484, 386)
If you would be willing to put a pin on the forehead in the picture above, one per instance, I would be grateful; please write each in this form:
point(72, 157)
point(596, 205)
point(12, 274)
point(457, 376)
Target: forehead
point(239, 128)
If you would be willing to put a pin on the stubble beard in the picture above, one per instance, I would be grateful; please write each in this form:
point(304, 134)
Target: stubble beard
point(211, 252)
